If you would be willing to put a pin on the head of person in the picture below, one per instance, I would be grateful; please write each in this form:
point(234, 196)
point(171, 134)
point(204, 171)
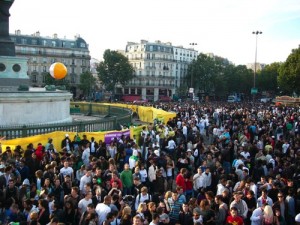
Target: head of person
point(233, 211)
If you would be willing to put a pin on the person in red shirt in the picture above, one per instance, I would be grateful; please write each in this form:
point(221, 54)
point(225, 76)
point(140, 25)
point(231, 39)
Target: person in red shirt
point(180, 180)
point(233, 218)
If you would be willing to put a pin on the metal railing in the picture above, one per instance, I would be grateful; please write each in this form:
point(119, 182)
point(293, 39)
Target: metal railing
point(110, 118)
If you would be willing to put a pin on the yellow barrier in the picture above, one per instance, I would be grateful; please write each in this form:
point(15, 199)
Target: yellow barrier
point(146, 114)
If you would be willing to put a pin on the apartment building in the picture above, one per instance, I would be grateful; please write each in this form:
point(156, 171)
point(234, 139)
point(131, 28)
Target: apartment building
point(159, 69)
point(43, 51)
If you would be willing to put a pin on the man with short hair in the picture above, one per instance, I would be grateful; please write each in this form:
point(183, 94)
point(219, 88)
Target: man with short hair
point(102, 209)
point(67, 170)
point(155, 219)
point(239, 204)
point(85, 179)
point(142, 197)
point(83, 203)
point(264, 199)
point(234, 218)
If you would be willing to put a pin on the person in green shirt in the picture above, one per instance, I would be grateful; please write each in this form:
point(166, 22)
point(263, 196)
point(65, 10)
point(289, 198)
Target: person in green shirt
point(127, 180)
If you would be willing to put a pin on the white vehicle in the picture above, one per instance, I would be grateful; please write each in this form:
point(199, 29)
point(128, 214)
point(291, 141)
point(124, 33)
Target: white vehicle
point(265, 100)
point(233, 98)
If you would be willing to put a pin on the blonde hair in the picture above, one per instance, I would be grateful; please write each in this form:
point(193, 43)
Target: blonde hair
point(268, 214)
point(168, 194)
point(141, 207)
point(33, 215)
point(126, 211)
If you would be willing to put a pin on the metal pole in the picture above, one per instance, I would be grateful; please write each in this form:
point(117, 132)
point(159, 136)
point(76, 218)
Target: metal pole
point(255, 61)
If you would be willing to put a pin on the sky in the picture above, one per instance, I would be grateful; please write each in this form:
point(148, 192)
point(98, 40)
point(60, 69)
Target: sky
point(221, 27)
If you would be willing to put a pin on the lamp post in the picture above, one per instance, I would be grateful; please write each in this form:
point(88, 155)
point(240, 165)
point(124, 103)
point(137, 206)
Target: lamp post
point(256, 35)
point(192, 71)
point(192, 44)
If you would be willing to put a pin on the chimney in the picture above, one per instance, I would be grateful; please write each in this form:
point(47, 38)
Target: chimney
point(18, 32)
point(37, 34)
point(55, 36)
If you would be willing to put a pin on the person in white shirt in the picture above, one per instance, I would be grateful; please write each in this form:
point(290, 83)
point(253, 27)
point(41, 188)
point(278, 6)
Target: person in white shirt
point(198, 180)
point(87, 178)
point(285, 147)
point(206, 178)
point(67, 170)
point(184, 130)
point(264, 198)
point(221, 186)
point(94, 146)
point(240, 204)
point(86, 155)
point(257, 216)
point(142, 197)
point(102, 209)
point(83, 203)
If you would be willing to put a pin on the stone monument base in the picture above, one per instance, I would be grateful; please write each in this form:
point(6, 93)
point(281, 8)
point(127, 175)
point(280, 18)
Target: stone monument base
point(34, 107)
point(7, 48)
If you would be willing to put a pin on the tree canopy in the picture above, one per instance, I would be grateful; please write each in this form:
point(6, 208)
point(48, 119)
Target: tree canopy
point(87, 83)
point(115, 69)
point(289, 73)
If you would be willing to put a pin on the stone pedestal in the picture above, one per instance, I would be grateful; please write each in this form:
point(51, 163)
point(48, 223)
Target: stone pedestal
point(13, 72)
point(7, 48)
point(34, 107)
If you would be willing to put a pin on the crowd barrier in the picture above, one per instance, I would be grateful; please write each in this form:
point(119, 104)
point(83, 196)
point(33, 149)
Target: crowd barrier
point(146, 114)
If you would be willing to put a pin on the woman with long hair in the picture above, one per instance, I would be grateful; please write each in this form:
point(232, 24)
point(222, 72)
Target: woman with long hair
point(126, 218)
point(151, 209)
point(43, 217)
point(140, 212)
point(168, 195)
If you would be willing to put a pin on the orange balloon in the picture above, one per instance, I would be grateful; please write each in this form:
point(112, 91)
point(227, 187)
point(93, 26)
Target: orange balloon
point(58, 70)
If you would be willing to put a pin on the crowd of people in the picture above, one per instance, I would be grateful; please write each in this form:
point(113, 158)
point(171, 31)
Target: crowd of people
point(212, 164)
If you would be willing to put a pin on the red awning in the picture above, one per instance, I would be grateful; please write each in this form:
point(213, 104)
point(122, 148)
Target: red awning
point(131, 98)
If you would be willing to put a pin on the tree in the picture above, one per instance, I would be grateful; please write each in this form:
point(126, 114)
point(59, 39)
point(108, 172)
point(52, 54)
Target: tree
point(87, 83)
point(289, 73)
point(267, 78)
point(49, 80)
point(115, 69)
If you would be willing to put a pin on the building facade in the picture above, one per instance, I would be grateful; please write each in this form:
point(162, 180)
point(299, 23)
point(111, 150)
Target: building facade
point(43, 51)
point(159, 69)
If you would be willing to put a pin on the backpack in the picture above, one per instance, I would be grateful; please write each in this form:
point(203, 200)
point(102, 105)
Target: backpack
point(146, 201)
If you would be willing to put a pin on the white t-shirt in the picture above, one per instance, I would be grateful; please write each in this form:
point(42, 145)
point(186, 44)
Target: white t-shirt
point(83, 203)
point(66, 171)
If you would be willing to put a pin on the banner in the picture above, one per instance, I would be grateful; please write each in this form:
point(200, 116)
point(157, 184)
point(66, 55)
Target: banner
point(109, 137)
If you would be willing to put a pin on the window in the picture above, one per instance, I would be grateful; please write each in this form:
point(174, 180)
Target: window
point(44, 60)
point(53, 43)
point(45, 42)
point(44, 78)
point(82, 45)
point(44, 69)
point(23, 41)
point(34, 41)
point(34, 80)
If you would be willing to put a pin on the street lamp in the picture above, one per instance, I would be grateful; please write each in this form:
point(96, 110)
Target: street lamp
point(192, 72)
point(192, 44)
point(256, 34)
